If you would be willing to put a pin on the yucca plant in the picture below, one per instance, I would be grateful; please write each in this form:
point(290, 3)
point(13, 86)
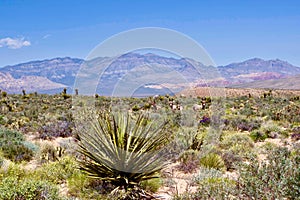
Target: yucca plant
point(121, 150)
point(212, 160)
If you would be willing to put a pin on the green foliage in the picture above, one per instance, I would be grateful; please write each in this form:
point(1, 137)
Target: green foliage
point(48, 152)
point(4, 94)
point(212, 160)
point(214, 188)
point(152, 185)
point(247, 120)
point(135, 108)
point(210, 185)
point(231, 160)
point(57, 172)
point(77, 183)
point(258, 136)
point(12, 188)
point(83, 187)
point(189, 161)
point(276, 178)
point(17, 183)
point(124, 159)
point(238, 143)
point(13, 147)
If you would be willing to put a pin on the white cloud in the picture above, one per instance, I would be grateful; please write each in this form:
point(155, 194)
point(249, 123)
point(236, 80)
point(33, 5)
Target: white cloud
point(14, 43)
point(46, 36)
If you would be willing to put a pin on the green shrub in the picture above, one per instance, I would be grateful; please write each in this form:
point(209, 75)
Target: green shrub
point(189, 161)
point(12, 170)
point(231, 139)
point(1, 161)
point(77, 183)
point(83, 187)
point(57, 172)
point(276, 178)
point(135, 108)
point(231, 160)
point(238, 143)
point(258, 136)
point(210, 185)
point(48, 152)
point(12, 188)
point(151, 185)
point(13, 147)
point(212, 160)
point(205, 173)
point(270, 129)
point(215, 188)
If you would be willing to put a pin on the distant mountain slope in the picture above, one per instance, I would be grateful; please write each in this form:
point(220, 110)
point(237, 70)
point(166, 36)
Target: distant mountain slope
point(59, 70)
point(28, 83)
point(292, 83)
point(133, 69)
point(257, 69)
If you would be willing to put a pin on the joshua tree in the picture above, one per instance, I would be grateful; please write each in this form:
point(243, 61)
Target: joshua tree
point(4, 94)
point(65, 91)
point(122, 151)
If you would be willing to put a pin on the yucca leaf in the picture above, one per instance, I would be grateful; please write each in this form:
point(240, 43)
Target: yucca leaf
point(122, 151)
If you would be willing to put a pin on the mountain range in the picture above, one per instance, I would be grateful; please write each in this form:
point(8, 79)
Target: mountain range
point(145, 73)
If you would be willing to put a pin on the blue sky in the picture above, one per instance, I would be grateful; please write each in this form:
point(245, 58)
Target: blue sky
point(230, 31)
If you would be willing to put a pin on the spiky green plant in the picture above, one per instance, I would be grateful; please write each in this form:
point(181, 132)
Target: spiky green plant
point(121, 150)
point(212, 160)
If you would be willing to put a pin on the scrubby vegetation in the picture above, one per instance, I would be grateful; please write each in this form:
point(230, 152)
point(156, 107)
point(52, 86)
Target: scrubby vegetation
point(242, 147)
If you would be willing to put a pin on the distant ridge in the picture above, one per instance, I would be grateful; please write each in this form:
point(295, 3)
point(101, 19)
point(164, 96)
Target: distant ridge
point(54, 74)
point(290, 83)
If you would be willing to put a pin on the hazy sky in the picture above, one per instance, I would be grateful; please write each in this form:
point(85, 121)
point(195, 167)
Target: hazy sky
point(230, 31)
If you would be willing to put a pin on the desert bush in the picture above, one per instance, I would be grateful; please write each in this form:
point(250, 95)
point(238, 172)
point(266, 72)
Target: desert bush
point(215, 188)
point(210, 185)
point(189, 161)
point(56, 129)
point(270, 129)
point(12, 188)
point(152, 185)
point(198, 139)
point(241, 123)
point(239, 144)
point(205, 173)
point(231, 139)
point(13, 147)
point(1, 160)
point(276, 178)
point(48, 152)
point(57, 172)
point(258, 136)
point(231, 160)
point(135, 108)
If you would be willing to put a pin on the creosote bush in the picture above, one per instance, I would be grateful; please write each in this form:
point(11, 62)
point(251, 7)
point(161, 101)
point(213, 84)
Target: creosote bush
point(13, 146)
point(189, 161)
point(276, 178)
